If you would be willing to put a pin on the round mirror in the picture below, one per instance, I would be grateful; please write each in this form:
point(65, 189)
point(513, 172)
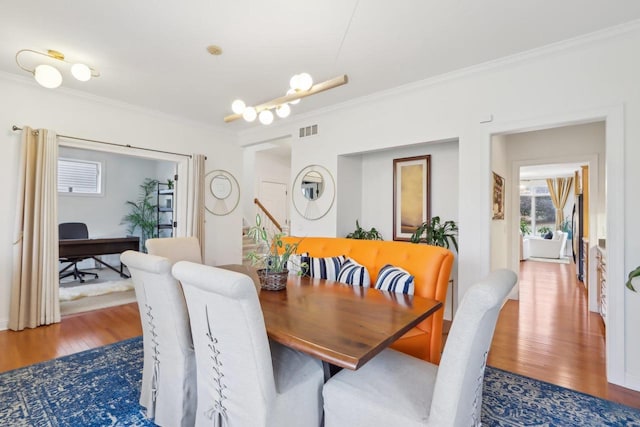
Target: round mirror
point(220, 187)
point(312, 185)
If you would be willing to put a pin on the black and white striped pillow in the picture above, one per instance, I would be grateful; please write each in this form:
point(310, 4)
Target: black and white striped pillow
point(395, 279)
point(353, 273)
point(323, 268)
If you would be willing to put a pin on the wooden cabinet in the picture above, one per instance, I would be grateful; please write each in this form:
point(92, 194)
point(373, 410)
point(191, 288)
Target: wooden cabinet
point(601, 271)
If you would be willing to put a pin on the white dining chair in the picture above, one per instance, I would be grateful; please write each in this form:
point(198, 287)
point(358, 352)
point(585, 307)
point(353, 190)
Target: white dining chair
point(244, 380)
point(168, 391)
point(176, 248)
point(394, 389)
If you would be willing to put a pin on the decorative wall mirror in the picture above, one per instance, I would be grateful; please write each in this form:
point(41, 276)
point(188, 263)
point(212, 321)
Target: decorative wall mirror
point(313, 192)
point(222, 192)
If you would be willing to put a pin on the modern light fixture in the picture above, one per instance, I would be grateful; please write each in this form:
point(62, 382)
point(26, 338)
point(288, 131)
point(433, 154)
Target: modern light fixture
point(49, 76)
point(301, 87)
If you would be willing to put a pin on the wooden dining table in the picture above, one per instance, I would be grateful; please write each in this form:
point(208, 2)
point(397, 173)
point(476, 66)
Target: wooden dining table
point(342, 325)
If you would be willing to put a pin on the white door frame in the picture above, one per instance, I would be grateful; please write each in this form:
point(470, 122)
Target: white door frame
point(613, 116)
point(182, 168)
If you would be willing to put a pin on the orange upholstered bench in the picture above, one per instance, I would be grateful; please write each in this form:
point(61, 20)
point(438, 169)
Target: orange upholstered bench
point(430, 266)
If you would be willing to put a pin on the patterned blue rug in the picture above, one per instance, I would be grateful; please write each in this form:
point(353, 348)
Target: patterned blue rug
point(99, 387)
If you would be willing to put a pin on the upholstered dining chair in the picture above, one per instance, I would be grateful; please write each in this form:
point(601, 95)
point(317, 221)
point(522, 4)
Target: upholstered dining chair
point(394, 389)
point(244, 380)
point(176, 248)
point(168, 389)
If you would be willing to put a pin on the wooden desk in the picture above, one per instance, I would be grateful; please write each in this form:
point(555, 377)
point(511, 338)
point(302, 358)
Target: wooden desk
point(91, 248)
point(339, 324)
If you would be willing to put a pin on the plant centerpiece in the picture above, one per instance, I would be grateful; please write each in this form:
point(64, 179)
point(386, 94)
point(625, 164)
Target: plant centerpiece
point(436, 233)
point(362, 234)
point(272, 256)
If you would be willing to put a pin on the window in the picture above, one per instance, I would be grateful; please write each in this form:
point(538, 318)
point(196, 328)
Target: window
point(79, 176)
point(536, 208)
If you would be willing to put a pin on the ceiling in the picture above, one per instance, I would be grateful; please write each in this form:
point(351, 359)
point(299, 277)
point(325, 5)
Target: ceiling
point(549, 171)
point(153, 53)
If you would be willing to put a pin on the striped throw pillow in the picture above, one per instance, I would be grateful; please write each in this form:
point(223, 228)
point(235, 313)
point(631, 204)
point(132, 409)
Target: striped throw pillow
point(323, 268)
point(395, 279)
point(353, 273)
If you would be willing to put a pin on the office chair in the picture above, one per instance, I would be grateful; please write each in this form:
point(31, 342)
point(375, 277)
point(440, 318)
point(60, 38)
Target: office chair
point(73, 230)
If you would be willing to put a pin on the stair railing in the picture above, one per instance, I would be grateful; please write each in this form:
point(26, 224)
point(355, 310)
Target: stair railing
point(268, 220)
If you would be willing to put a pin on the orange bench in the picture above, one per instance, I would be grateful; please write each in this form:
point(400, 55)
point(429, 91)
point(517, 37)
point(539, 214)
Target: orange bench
point(430, 266)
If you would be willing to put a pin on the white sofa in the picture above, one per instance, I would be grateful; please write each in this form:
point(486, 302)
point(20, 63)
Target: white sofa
point(538, 247)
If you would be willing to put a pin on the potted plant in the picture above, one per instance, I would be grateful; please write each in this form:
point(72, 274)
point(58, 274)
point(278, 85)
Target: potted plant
point(272, 256)
point(524, 227)
point(635, 273)
point(544, 230)
point(436, 233)
point(362, 234)
point(144, 213)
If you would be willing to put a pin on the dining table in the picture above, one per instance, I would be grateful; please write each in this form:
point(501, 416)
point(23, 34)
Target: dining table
point(342, 325)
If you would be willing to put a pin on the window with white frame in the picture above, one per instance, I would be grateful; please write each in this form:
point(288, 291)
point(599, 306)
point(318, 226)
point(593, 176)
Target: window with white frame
point(537, 213)
point(79, 177)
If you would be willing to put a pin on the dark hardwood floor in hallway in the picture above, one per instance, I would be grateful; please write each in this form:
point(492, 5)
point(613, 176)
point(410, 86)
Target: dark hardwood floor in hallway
point(548, 335)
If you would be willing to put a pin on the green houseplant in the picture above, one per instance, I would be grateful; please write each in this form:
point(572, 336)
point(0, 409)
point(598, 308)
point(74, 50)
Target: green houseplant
point(633, 274)
point(362, 234)
point(143, 215)
point(271, 256)
point(437, 233)
point(524, 227)
point(543, 230)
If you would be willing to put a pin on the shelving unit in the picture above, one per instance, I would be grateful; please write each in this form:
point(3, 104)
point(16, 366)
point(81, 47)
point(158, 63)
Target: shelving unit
point(165, 203)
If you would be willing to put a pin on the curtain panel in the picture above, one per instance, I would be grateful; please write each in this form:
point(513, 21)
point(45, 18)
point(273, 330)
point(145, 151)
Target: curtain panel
point(559, 191)
point(195, 221)
point(34, 291)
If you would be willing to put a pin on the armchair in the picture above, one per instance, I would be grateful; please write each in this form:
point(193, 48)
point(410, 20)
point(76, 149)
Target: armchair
point(545, 248)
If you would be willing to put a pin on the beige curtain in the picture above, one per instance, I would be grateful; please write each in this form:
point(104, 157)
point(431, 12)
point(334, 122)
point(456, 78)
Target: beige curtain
point(559, 190)
point(195, 221)
point(34, 291)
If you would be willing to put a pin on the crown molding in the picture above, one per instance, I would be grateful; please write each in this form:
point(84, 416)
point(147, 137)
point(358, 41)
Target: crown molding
point(109, 102)
point(518, 58)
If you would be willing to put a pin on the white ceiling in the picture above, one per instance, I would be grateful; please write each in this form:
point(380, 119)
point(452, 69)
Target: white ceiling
point(153, 53)
point(549, 171)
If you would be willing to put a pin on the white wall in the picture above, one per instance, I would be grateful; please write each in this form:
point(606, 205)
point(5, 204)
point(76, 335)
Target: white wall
point(581, 80)
point(69, 113)
point(500, 248)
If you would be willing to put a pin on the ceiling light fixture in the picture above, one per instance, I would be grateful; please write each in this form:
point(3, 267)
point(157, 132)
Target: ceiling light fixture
point(301, 87)
point(49, 76)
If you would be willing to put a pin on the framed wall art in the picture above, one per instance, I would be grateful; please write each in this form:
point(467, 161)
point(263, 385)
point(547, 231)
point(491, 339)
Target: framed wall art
point(498, 196)
point(411, 195)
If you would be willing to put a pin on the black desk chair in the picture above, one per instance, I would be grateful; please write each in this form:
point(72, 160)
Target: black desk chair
point(73, 230)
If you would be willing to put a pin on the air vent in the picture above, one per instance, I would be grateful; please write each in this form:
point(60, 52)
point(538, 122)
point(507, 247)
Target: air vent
point(308, 131)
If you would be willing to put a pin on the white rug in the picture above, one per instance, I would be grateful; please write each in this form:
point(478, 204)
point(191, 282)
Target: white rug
point(70, 293)
point(553, 260)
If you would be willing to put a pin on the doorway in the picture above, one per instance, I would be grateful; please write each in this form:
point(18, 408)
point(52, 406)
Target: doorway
point(122, 170)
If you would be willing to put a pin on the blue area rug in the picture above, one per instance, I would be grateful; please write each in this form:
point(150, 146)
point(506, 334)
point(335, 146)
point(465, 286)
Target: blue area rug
point(99, 387)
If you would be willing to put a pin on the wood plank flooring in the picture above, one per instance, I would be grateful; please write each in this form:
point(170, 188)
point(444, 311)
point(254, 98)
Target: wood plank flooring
point(548, 335)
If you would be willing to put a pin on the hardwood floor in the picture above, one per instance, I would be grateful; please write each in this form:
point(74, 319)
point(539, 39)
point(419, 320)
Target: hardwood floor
point(548, 335)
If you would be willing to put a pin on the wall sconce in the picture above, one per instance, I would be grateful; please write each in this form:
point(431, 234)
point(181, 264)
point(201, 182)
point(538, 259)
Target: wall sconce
point(49, 76)
point(301, 86)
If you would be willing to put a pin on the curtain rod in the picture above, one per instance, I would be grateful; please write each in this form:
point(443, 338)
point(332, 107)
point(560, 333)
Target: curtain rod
point(15, 128)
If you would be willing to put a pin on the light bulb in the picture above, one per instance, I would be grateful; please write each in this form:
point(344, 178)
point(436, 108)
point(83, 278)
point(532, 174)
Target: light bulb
point(294, 82)
point(266, 117)
point(304, 81)
point(81, 72)
point(47, 76)
point(297, 101)
point(283, 110)
point(249, 114)
point(238, 106)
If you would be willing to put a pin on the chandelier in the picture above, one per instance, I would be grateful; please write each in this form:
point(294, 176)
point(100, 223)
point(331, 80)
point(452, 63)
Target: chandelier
point(301, 86)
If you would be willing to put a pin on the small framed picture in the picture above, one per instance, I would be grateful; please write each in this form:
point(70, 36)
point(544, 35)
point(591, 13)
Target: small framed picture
point(411, 195)
point(498, 196)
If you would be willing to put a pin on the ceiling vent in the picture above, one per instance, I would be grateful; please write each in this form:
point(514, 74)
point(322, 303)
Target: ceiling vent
point(308, 131)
